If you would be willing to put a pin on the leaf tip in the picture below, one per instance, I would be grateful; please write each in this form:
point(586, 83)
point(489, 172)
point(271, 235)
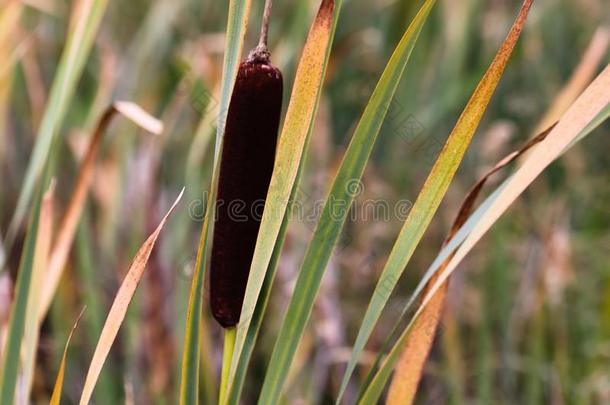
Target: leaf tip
point(139, 116)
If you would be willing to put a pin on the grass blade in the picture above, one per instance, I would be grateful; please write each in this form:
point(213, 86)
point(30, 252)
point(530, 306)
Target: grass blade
point(415, 353)
point(69, 223)
point(59, 380)
point(434, 189)
point(299, 117)
point(32, 326)
point(189, 379)
point(330, 224)
point(12, 350)
point(265, 294)
point(239, 11)
point(119, 307)
point(413, 358)
point(83, 28)
point(588, 112)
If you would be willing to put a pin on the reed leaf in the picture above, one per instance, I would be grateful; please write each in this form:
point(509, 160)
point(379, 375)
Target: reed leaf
point(419, 343)
point(299, 118)
point(83, 28)
point(239, 11)
point(335, 211)
point(11, 359)
point(589, 111)
point(413, 357)
point(59, 380)
point(119, 307)
point(32, 326)
point(69, 223)
point(434, 189)
point(265, 294)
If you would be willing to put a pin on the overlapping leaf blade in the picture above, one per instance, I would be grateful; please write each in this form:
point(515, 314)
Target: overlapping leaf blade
point(83, 28)
point(117, 312)
point(589, 111)
point(12, 350)
point(299, 117)
point(434, 190)
point(239, 11)
point(338, 202)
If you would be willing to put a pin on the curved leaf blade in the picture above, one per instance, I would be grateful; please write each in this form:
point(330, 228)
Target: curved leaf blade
point(588, 112)
point(119, 307)
point(69, 223)
point(59, 380)
point(84, 25)
point(299, 117)
point(434, 189)
point(338, 202)
point(419, 343)
point(413, 357)
point(239, 12)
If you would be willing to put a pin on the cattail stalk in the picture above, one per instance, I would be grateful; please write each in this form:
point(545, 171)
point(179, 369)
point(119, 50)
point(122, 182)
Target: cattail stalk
point(246, 167)
point(245, 172)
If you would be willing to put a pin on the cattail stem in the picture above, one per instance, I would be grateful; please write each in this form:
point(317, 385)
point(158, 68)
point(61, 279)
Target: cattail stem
point(227, 357)
point(262, 41)
point(261, 52)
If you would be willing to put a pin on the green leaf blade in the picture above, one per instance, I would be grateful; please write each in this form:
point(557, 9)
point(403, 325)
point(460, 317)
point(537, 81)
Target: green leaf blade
point(239, 12)
point(85, 24)
point(293, 139)
point(11, 361)
point(335, 211)
point(557, 142)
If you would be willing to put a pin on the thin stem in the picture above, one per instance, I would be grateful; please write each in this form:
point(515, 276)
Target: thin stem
point(227, 356)
point(262, 41)
point(261, 52)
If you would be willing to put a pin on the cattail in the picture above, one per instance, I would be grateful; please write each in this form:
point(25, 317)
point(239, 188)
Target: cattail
point(245, 171)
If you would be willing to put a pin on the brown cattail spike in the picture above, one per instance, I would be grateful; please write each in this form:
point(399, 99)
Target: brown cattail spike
point(245, 171)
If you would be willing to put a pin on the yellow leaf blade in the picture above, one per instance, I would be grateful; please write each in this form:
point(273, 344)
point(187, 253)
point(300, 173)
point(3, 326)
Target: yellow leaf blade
point(69, 222)
point(432, 193)
point(429, 199)
point(119, 307)
point(413, 358)
point(59, 380)
point(589, 110)
point(301, 109)
point(584, 111)
point(410, 366)
point(41, 256)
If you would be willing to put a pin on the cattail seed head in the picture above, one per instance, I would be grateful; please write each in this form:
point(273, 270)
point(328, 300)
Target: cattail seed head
point(245, 171)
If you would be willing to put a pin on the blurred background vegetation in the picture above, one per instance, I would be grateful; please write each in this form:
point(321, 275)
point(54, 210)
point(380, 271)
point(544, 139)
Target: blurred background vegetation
point(528, 314)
